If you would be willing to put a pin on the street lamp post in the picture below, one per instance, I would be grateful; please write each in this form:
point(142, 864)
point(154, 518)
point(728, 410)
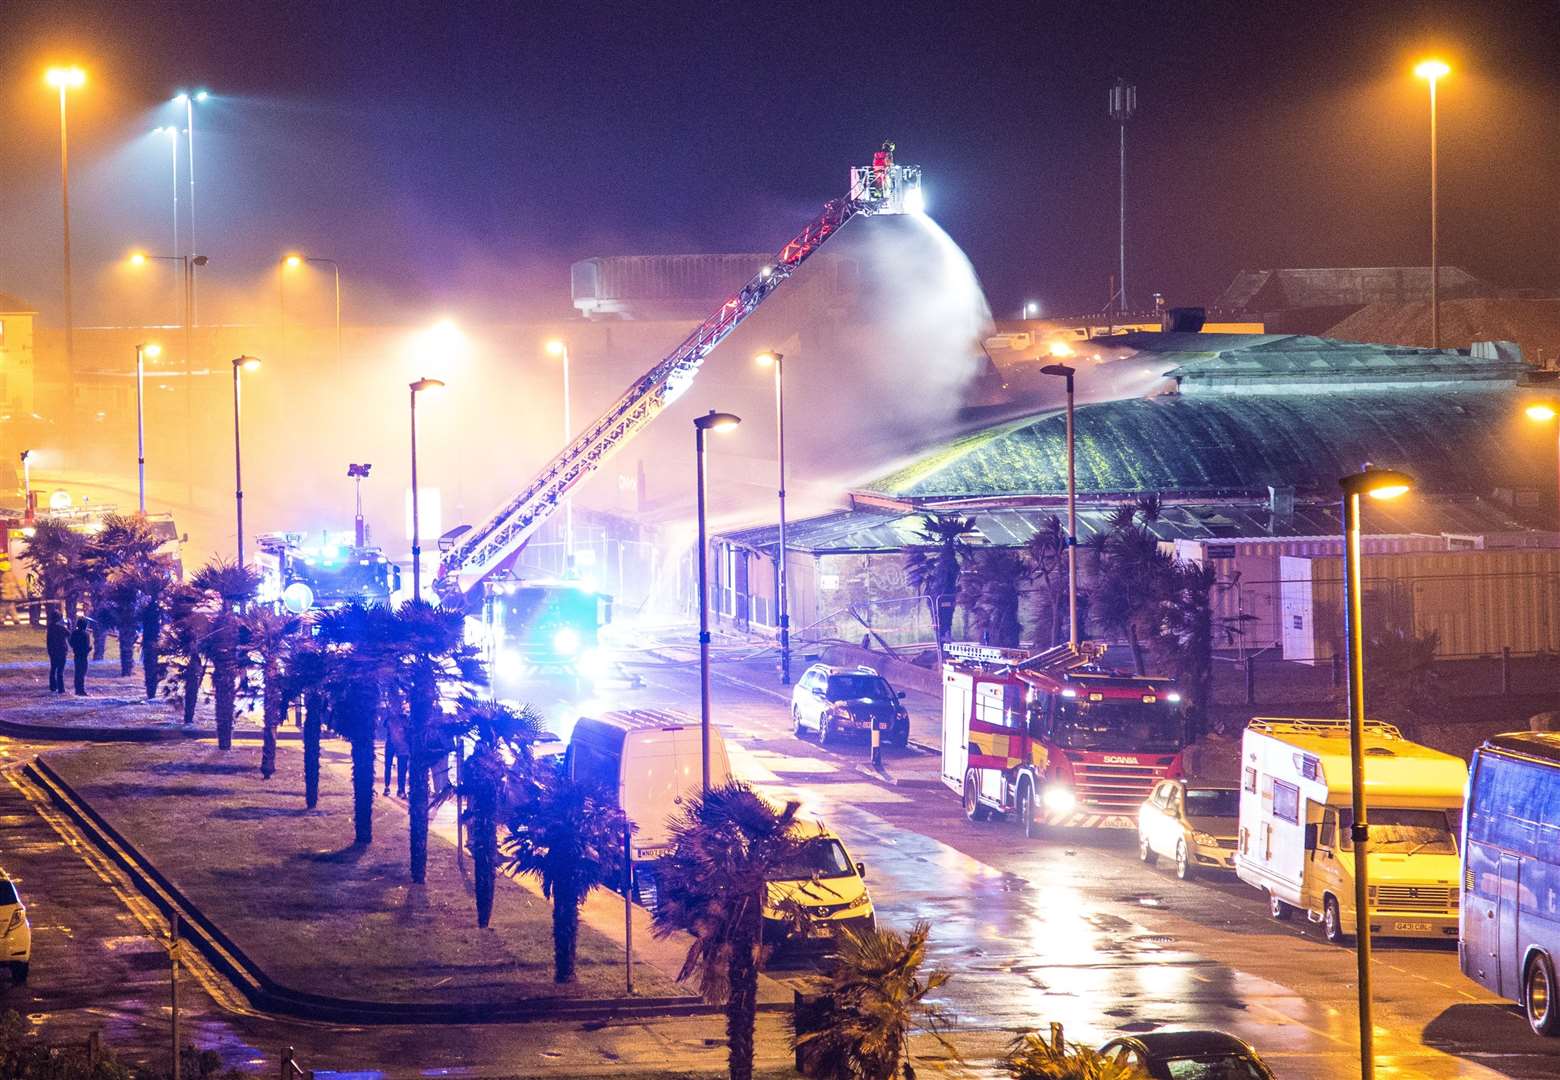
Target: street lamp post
point(141, 351)
point(1378, 484)
point(64, 79)
point(27, 500)
point(710, 421)
point(246, 363)
point(777, 360)
point(416, 388)
point(188, 100)
point(1542, 412)
point(560, 349)
point(172, 131)
point(1432, 71)
point(1062, 349)
point(292, 262)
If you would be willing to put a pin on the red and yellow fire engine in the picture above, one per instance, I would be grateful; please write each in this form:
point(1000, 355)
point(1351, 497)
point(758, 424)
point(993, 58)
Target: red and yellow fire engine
point(1054, 738)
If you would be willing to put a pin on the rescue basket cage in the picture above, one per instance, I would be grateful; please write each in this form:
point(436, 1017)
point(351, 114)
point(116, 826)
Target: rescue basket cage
point(886, 189)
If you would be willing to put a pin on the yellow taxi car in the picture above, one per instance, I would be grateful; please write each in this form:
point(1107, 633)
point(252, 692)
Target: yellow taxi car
point(818, 894)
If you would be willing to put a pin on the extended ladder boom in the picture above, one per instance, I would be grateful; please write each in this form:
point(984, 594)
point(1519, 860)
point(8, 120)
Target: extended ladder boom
point(875, 189)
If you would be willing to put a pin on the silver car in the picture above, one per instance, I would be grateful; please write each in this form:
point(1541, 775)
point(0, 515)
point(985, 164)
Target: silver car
point(838, 701)
point(1194, 823)
point(18, 931)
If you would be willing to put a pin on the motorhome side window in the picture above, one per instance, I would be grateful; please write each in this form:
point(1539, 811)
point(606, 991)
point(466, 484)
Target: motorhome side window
point(1326, 836)
point(1251, 779)
point(1286, 802)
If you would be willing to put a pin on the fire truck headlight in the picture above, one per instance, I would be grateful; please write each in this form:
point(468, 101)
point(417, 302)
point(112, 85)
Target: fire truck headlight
point(566, 642)
point(1173, 697)
point(1059, 799)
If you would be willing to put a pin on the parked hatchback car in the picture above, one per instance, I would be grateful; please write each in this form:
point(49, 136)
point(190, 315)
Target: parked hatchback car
point(1188, 1055)
point(838, 701)
point(18, 931)
point(1196, 824)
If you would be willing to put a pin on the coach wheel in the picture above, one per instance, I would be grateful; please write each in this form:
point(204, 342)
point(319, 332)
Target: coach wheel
point(1538, 994)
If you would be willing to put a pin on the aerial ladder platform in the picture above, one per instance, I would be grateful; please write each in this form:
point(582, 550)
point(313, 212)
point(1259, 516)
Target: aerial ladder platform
point(880, 188)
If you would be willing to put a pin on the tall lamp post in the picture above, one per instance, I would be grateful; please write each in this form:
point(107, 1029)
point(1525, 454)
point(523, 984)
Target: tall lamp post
point(1378, 484)
point(710, 421)
point(560, 349)
point(418, 387)
point(1432, 71)
point(152, 350)
point(292, 262)
point(65, 79)
point(1123, 103)
point(27, 500)
point(244, 363)
point(188, 100)
point(1542, 412)
point(172, 131)
point(777, 361)
point(1061, 348)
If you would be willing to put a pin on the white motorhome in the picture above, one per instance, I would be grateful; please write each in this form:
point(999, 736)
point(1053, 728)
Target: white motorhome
point(1296, 818)
point(651, 759)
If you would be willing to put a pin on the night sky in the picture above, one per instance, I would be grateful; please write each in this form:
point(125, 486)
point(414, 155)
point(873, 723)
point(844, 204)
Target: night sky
point(469, 151)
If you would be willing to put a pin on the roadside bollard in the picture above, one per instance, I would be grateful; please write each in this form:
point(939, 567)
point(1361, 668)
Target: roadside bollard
point(877, 747)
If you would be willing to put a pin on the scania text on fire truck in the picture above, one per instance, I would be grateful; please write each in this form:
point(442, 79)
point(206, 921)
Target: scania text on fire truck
point(1055, 738)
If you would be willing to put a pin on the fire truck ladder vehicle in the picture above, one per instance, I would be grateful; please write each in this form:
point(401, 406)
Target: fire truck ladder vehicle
point(1053, 738)
point(874, 189)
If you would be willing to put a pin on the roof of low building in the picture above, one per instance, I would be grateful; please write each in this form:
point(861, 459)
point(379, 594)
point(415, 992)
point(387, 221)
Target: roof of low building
point(871, 530)
point(12, 305)
point(1467, 442)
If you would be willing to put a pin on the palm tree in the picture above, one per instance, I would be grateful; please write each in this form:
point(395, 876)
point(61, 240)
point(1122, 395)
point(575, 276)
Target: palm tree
point(304, 679)
point(123, 543)
point(153, 582)
point(570, 836)
point(1047, 555)
point(933, 568)
point(272, 639)
point(990, 592)
point(228, 588)
point(360, 658)
point(434, 659)
point(726, 845)
point(54, 552)
point(872, 998)
point(186, 628)
point(494, 778)
point(1132, 575)
point(1031, 1057)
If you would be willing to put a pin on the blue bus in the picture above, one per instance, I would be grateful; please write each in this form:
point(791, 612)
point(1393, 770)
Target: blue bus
point(1509, 939)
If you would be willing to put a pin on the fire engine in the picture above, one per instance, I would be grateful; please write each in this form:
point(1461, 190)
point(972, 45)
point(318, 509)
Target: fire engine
point(1054, 738)
point(300, 576)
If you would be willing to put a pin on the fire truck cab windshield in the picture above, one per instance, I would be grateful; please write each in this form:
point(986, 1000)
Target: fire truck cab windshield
point(1130, 726)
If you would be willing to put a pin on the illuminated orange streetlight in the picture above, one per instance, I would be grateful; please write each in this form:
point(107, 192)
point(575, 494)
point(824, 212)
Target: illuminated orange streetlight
point(64, 79)
point(1542, 412)
point(1432, 71)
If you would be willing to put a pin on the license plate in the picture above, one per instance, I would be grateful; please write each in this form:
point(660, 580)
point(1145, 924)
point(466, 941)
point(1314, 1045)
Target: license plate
point(882, 727)
point(820, 931)
point(1411, 927)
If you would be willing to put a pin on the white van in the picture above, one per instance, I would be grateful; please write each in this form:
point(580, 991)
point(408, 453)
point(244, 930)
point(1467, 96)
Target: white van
point(651, 759)
point(1296, 813)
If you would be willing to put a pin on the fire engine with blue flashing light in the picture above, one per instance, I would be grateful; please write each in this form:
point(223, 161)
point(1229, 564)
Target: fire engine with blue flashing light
point(1054, 739)
point(300, 575)
point(543, 627)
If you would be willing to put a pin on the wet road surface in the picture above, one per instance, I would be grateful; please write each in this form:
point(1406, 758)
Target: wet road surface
point(1074, 930)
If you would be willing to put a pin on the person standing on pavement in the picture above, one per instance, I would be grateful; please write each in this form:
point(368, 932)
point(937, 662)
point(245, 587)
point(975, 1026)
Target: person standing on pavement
point(80, 650)
point(57, 640)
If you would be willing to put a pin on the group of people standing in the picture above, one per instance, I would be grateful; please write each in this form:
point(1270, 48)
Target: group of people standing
point(64, 643)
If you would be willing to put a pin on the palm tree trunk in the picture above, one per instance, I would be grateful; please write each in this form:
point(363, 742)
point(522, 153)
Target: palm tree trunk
point(741, 1006)
point(275, 711)
point(127, 631)
point(194, 672)
point(99, 640)
point(484, 855)
point(313, 710)
point(1138, 663)
point(151, 660)
point(224, 690)
point(566, 930)
point(363, 784)
point(417, 804)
